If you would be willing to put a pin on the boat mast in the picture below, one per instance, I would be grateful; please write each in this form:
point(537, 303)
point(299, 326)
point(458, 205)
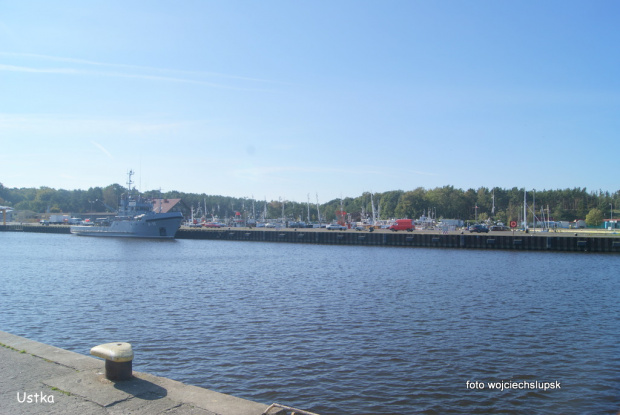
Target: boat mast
point(374, 215)
point(318, 212)
point(525, 209)
point(254, 210)
point(534, 210)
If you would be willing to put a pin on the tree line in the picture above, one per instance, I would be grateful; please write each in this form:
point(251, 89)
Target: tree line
point(446, 202)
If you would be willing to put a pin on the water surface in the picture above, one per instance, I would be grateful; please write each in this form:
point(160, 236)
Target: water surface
point(331, 329)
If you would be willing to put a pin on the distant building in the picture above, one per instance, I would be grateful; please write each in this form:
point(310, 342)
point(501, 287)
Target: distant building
point(578, 224)
point(611, 224)
point(6, 214)
point(170, 205)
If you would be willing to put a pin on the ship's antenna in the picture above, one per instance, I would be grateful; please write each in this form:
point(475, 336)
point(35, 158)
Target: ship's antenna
point(129, 182)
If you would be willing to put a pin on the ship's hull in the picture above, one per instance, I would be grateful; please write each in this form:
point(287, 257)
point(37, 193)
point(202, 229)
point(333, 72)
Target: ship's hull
point(155, 226)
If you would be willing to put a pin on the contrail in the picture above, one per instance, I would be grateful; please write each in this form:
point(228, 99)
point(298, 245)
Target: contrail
point(102, 148)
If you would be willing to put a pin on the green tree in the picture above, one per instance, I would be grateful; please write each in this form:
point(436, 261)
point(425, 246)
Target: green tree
point(3, 193)
point(388, 202)
point(513, 212)
point(501, 216)
point(43, 199)
point(411, 204)
point(111, 195)
point(594, 217)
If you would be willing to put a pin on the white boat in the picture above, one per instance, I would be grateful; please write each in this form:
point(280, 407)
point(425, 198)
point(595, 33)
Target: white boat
point(135, 219)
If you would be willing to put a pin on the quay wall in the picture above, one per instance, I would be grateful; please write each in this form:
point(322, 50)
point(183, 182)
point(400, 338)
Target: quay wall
point(559, 242)
point(520, 241)
point(73, 383)
point(35, 228)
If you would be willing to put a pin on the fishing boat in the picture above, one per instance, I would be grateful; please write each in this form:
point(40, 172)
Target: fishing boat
point(136, 218)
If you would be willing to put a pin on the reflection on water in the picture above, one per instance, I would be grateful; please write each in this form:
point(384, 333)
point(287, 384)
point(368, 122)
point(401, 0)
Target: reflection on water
point(358, 330)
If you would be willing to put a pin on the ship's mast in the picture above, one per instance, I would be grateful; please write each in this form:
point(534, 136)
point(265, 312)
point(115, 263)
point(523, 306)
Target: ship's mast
point(129, 182)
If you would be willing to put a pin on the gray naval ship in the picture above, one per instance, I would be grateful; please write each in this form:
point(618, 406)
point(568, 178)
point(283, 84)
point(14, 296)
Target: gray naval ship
point(135, 219)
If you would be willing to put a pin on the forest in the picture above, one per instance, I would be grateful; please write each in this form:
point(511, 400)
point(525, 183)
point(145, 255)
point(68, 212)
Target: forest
point(503, 205)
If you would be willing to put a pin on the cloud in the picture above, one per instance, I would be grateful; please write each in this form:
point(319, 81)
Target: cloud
point(102, 148)
point(66, 126)
point(14, 68)
point(138, 67)
point(131, 71)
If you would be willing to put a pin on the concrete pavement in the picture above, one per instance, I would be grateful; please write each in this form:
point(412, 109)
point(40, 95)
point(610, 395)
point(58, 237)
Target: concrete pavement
point(36, 378)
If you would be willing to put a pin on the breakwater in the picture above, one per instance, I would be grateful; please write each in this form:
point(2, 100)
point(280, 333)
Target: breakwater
point(543, 241)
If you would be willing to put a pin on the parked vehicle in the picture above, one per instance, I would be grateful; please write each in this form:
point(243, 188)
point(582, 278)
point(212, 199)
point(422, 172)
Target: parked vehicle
point(403, 225)
point(499, 228)
point(335, 226)
point(213, 225)
point(478, 228)
point(60, 220)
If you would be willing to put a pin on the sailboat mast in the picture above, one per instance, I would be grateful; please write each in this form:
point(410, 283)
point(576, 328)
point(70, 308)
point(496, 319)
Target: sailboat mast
point(525, 209)
point(534, 209)
point(374, 215)
point(318, 212)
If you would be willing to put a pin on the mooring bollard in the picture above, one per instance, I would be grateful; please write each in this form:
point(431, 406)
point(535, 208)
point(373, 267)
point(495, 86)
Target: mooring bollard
point(118, 359)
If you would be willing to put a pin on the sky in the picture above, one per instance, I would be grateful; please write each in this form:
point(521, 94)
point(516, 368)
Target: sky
point(291, 100)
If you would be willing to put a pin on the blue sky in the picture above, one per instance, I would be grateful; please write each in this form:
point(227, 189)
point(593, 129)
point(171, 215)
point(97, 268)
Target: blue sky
point(281, 99)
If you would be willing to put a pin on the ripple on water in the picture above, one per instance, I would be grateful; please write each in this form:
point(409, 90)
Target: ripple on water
point(331, 329)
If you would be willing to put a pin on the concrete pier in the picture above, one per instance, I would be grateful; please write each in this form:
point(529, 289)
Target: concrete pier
point(36, 378)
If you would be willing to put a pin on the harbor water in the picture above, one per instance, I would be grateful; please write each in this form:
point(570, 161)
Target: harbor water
point(332, 329)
